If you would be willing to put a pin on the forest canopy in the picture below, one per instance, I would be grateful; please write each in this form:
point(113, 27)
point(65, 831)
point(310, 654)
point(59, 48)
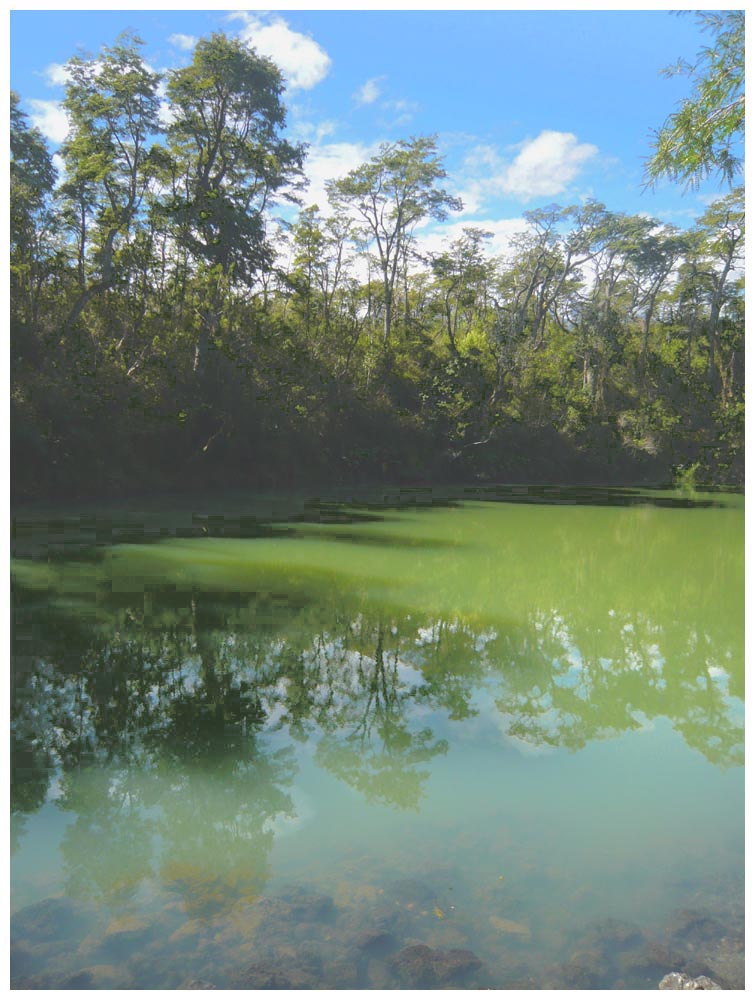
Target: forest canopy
point(172, 323)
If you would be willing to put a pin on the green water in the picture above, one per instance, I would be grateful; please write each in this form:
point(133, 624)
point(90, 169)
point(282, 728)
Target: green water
point(494, 726)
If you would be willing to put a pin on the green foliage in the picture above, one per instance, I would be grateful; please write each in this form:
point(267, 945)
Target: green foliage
point(158, 336)
point(703, 136)
point(228, 158)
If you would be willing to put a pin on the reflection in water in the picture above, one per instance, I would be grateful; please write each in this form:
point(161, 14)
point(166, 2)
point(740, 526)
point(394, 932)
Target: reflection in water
point(167, 698)
point(178, 700)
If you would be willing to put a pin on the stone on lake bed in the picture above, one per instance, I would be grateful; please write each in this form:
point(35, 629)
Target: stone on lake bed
point(419, 966)
point(376, 942)
point(52, 919)
point(126, 929)
point(298, 906)
point(511, 927)
point(680, 981)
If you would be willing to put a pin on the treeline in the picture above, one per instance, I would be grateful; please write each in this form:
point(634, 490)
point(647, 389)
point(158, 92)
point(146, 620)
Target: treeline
point(168, 332)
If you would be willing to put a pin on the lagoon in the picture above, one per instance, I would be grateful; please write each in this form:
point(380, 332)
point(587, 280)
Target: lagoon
point(484, 737)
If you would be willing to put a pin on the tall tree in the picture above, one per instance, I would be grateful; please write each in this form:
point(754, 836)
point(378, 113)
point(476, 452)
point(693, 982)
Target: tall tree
point(113, 109)
point(391, 193)
point(463, 272)
point(229, 161)
point(32, 176)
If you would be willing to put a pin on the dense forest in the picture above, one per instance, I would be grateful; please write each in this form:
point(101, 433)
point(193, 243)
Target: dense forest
point(182, 319)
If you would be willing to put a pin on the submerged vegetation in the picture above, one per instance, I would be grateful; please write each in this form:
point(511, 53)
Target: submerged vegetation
point(167, 328)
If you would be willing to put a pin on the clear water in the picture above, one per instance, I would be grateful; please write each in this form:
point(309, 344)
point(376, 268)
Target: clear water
point(512, 728)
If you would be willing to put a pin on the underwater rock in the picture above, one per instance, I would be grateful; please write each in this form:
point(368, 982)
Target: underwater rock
point(106, 977)
point(505, 926)
point(378, 975)
point(298, 971)
point(641, 968)
point(197, 984)
point(680, 981)
point(376, 942)
point(616, 935)
point(299, 906)
point(263, 976)
point(725, 963)
point(419, 966)
point(585, 970)
point(52, 919)
point(344, 974)
point(410, 892)
point(693, 928)
point(125, 932)
point(22, 961)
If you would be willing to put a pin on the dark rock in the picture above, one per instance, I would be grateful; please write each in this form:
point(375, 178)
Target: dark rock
point(40, 982)
point(22, 961)
point(392, 918)
point(454, 964)
point(680, 981)
point(83, 980)
point(642, 968)
point(263, 976)
point(378, 975)
point(344, 974)
point(299, 906)
point(616, 935)
point(52, 919)
point(410, 892)
point(724, 963)
point(692, 928)
point(376, 942)
point(419, 966)
point(300, 971)
point(585, 970)
point(96, 977)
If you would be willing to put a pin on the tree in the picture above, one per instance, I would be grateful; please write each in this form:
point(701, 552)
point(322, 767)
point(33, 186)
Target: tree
point(463, 273)
point(391, 193)
point(32, 176)
point(721, 234)
point(113, 107)
point(701, 138)
point(229, 161)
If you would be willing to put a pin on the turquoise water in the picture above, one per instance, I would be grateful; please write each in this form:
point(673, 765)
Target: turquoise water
point(510, 728)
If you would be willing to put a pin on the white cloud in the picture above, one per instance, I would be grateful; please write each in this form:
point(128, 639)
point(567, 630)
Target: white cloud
point(185, 42)
point(302, 61)
point(50, 118)
point(402, 109)
point(56, 75)
point(331, 161)
point(545, 166)
point(309, 132)
point(59, 164)
point(369, 92)
point(501, 243)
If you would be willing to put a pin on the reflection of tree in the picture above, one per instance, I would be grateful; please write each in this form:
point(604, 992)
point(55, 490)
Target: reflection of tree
point(107, 849)
point(563, 686)
point(171, 699)
point(368, 742)
point(181, 786)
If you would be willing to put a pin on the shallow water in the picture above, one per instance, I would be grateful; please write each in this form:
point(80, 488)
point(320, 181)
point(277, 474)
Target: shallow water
point(286, 758)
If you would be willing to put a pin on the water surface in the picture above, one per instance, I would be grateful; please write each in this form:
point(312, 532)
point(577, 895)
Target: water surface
point(281, 753)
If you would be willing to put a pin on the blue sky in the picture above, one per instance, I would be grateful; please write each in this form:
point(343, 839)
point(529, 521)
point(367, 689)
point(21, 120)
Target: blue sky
point(530, 108)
